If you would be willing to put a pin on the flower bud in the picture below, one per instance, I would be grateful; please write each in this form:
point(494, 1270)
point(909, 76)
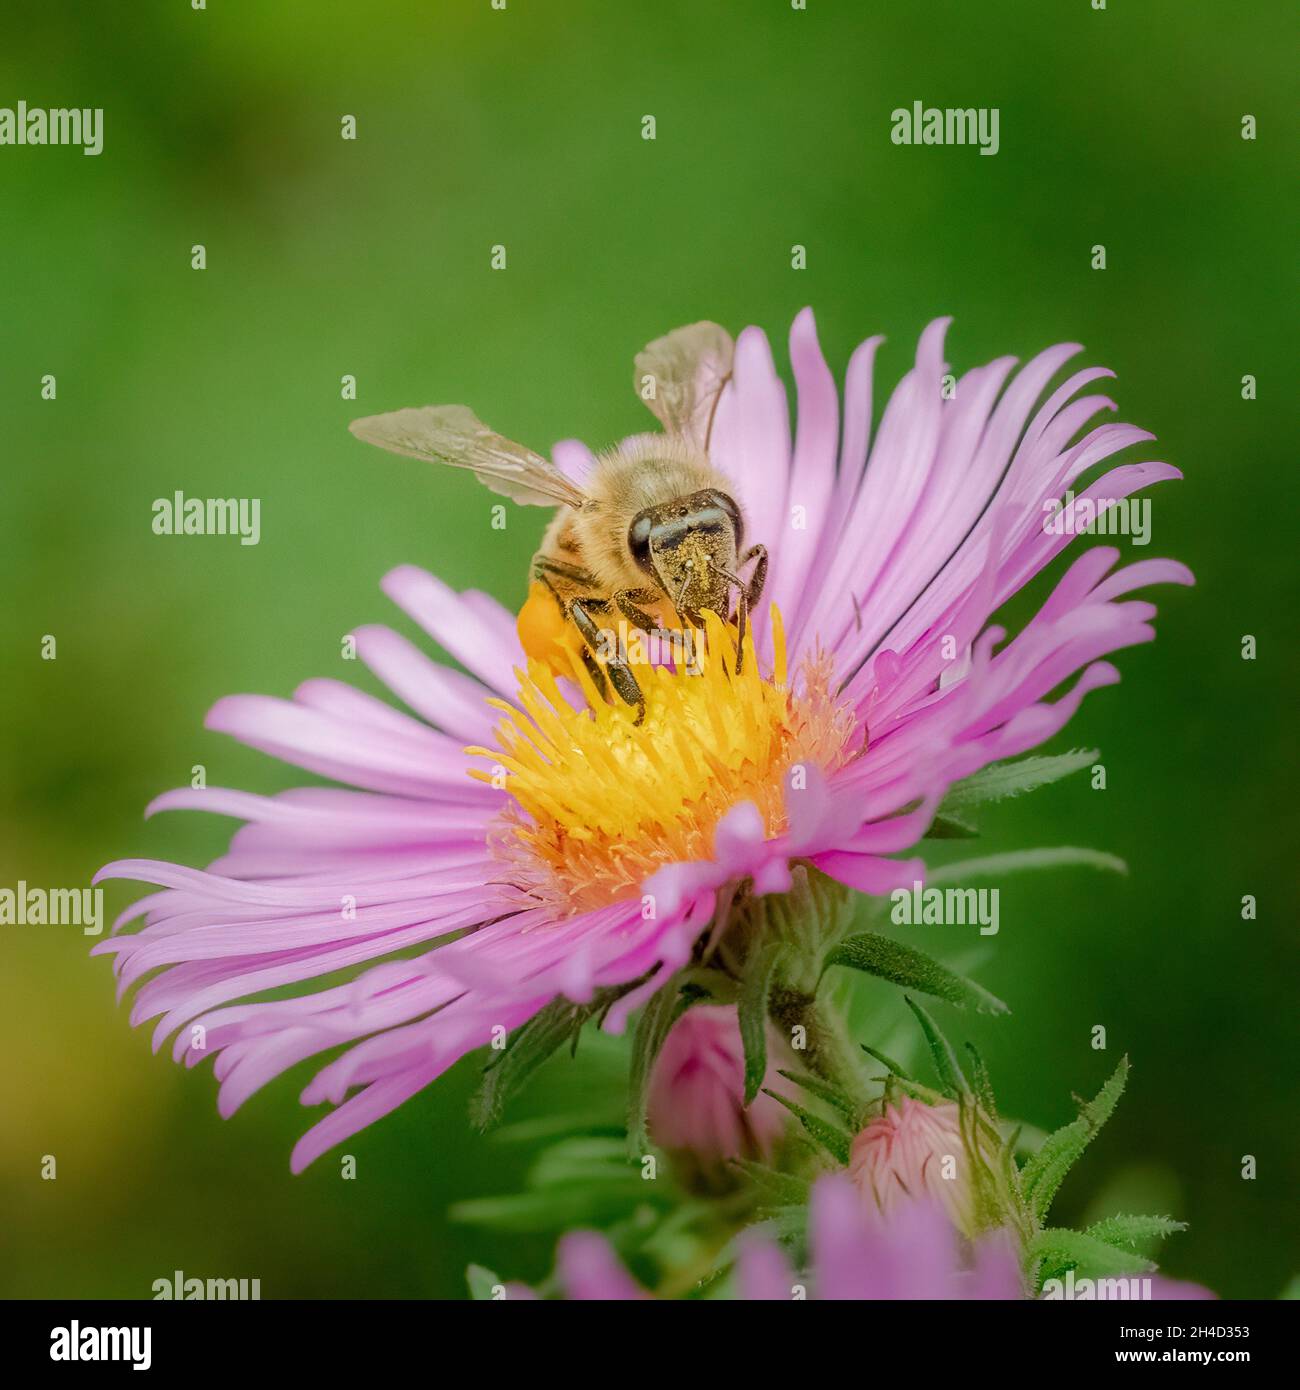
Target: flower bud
point(913, 1150)
point(696, 1096)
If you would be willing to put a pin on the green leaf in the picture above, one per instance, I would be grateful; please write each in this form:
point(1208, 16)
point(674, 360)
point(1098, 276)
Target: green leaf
point(1131, 1232)
point(950, 828)
point(755, 993)
point(584, 1180)
point(540, 1128)
point(1019, 861)
point(1042, 1176)
point(776, 1189)
point(824, 1091)
point(527, 1049)
point(1006, 1162)
point(481, 1282)
point(829, 1136)
point(894, 1068)
point(558, 1207)
point(1003, 780)
point(1060, 1249)
point(990, 1202)
point(584, 1157)
point(951, 1081)
point(529, 1046)
point(657, 1018)
point(786, 1225)
point(912, 969)
point(983, 1087)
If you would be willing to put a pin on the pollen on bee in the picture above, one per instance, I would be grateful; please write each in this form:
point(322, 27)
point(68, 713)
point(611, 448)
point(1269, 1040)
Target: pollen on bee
point(544, 633)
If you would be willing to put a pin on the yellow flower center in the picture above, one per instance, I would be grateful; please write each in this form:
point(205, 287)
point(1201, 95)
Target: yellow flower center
point(601, 801)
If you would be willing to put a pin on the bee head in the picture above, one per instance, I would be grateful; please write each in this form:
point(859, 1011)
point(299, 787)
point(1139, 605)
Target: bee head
point(688, 548)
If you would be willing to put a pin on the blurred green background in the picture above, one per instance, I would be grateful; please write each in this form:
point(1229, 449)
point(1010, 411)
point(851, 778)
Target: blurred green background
point(371, 257)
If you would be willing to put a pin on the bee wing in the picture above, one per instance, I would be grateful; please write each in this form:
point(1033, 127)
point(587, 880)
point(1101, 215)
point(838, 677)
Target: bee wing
point(689, 368)
point(454, 435)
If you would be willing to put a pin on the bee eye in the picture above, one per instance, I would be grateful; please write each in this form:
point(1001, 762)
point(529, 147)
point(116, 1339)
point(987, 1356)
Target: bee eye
point(638, 540)
point(721, 500)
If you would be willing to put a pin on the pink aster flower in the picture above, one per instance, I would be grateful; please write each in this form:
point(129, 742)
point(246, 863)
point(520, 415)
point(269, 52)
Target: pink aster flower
point(913, 1253)
point(595, 852)
point(696, 1100)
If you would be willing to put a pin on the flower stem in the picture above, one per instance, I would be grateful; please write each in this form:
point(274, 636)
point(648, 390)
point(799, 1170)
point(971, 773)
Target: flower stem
point(821, 1042)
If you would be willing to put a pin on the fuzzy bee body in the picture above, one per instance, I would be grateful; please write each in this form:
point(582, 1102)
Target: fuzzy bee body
point(654, 536)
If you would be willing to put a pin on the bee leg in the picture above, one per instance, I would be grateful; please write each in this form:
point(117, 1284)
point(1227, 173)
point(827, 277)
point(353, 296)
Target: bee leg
point(742, 615)
point(747, 596)
point(619, 672)
point(622, 679)
point(759, 577)
point(638, 617)
point(596, 674)
point(742, 612)
point(543, 565)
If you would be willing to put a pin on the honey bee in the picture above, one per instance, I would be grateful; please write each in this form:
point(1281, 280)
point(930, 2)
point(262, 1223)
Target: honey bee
point(655, 531)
